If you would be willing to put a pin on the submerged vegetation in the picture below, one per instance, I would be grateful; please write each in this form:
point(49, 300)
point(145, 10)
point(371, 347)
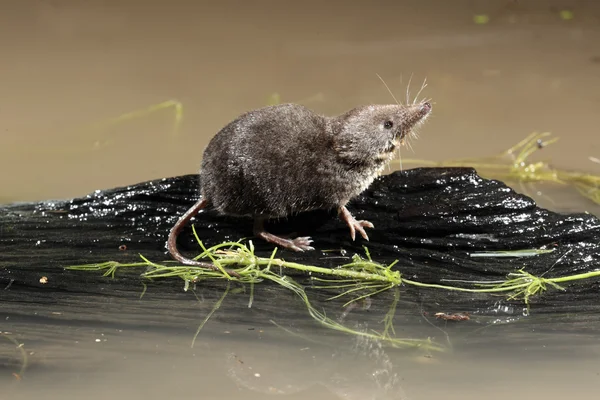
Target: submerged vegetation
point(23, 354)
point(358, 279)
point(362, 277)
point(513, 165)
point(174, 105)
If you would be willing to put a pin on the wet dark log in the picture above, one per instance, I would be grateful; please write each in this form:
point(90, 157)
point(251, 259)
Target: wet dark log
point(431, 220)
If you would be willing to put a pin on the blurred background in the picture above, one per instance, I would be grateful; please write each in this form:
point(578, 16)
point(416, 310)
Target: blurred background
point(496, 70)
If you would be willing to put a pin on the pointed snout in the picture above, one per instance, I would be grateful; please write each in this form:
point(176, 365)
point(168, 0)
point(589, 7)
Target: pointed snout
point(416, 113)
point(424, 108)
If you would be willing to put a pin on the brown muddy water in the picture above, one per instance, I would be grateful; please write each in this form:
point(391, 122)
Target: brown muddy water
point(68, 66)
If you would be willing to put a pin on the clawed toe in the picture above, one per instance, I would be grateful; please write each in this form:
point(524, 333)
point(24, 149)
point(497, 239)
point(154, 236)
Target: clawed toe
point(359, 228)
point(360, 225)
point(298, 244)
point(366, 224)
point(355, 225)
point(302, 244)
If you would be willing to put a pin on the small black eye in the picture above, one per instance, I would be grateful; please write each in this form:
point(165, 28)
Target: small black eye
point(388, 124)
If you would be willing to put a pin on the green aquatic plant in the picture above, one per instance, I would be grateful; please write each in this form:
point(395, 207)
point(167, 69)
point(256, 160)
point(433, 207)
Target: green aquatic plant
point(481, 19)
point(23, 353)
point(252, 269)
point(513, 165)
point(361, 278)
point(96, 135)
point(566, 15)
point(175, 105)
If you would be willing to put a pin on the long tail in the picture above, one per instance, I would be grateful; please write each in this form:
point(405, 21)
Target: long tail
point(174, 233)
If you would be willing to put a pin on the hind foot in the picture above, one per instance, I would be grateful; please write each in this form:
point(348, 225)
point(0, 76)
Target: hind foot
point(297, 244)
point(353, 224)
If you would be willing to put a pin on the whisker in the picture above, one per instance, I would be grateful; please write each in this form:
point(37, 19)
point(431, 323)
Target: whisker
point(388, 88)
point(408, 90)
point(400, 157)
point(415, 133)
point(408, 144)
point(423, 86)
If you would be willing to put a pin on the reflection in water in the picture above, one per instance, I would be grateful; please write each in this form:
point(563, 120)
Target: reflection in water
point(372, 375)
point(362, 371)
point(68, 63)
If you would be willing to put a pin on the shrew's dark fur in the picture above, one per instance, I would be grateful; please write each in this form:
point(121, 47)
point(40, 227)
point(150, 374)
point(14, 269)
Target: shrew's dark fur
point(286, 159)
